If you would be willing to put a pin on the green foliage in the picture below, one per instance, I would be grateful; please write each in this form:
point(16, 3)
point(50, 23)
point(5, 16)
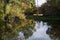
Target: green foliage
point(17, 15)
point(12, 18)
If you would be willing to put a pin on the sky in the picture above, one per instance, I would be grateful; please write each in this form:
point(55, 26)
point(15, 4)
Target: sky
point(38, 3)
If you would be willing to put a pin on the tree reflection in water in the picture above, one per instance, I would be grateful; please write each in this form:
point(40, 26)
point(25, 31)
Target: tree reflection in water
point(40, 33)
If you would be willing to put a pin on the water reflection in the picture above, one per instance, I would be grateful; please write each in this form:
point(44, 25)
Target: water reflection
point(40, 33)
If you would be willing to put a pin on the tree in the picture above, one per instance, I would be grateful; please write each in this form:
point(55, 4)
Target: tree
point(54, 2)
point(13, 18)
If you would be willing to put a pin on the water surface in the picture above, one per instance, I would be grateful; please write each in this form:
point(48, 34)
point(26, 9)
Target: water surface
point(40, 33)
